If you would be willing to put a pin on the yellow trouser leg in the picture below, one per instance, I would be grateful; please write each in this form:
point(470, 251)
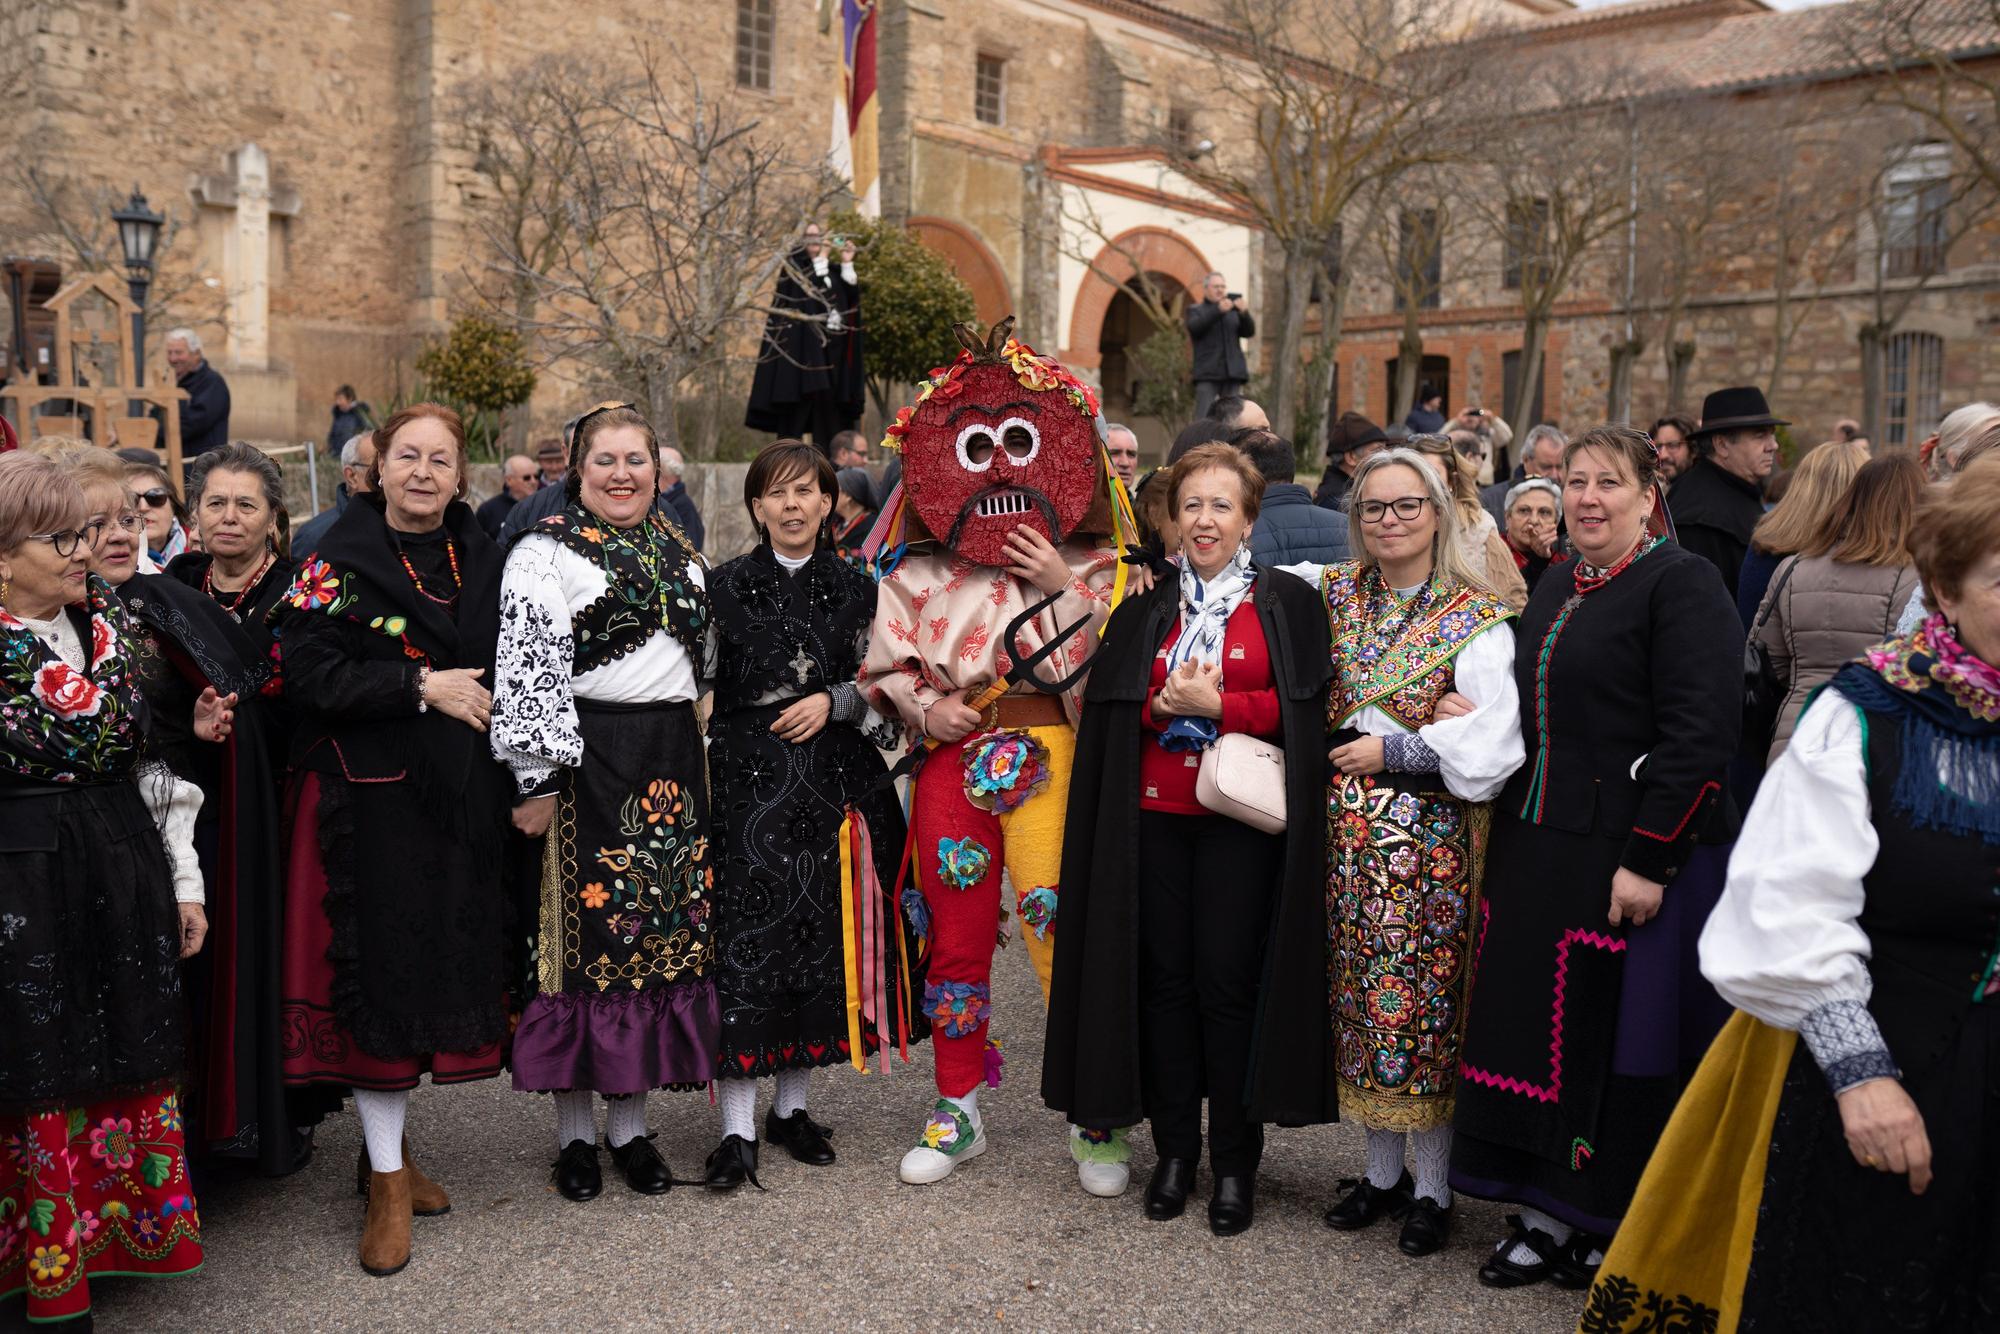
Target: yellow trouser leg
point(1032, 839)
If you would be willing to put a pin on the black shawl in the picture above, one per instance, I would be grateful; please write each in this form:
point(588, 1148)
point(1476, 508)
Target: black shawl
point(800, 356)
point(649, 585)
point(785, 634)
point(1090, 1067)
point(354, 634)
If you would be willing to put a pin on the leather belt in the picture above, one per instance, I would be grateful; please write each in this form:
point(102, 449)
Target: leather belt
point(1026, 709)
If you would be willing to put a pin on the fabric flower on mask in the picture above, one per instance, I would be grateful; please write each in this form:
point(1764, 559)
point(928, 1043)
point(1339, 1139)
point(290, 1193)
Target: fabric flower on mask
point(1037, 910)
point(1004, 770)
point(962, 863)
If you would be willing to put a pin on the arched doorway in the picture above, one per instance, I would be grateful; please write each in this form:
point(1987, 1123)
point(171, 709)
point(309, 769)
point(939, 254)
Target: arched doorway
point(972, 261)
point(1123, 374)
point(1152, 249)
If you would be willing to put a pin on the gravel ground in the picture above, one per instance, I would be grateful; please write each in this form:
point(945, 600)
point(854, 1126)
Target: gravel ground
point(1007, 1241)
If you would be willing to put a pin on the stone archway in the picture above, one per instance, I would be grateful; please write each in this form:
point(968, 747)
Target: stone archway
point(1155, 250)
point(972, 261)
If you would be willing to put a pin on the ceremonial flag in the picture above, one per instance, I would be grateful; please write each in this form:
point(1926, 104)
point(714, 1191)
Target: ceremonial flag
point(855, 114)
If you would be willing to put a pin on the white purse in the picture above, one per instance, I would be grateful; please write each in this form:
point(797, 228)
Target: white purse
point(1244, 779)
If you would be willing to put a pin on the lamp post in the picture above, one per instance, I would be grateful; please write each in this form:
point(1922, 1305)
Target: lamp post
point(138, 231)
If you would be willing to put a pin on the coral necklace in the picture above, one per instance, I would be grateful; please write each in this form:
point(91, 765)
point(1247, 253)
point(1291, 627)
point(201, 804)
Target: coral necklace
point(1590, 578)
point(235, 609)
point(451, 554)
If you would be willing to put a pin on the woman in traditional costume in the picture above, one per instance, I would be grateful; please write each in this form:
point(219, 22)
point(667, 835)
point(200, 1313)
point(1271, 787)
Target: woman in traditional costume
point(394, 955)
point(201, 674)
point(1190, 959)
point(813, 963)
point(1609, 844)
point(1831, 1165)
point(103, 901)
point(1425, 723)
point(237, 497)
point(605, 628)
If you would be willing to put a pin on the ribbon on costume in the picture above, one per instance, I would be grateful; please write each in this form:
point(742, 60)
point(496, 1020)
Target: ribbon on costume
point(866, 926)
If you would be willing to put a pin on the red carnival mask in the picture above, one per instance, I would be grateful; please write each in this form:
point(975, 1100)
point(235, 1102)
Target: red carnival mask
point(1001, 439)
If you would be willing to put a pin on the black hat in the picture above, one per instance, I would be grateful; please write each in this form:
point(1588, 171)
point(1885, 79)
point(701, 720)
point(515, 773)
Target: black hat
point(1735, 409)
point(1350, 433)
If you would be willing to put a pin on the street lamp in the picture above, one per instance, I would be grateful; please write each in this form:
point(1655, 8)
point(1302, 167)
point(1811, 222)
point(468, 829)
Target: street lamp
point(138, 232)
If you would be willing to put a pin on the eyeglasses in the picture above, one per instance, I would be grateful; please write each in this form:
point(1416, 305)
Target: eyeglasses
point(1430, 444)
point(65, 543)
point(130, 520)
point(1472, 451)
point(156, 497)
point(1406, 508)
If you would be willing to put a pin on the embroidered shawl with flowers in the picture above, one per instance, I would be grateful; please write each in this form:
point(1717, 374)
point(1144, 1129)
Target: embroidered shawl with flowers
point(59, 725)
point(647, 585)
point(1396, 653)
point(1947, 702)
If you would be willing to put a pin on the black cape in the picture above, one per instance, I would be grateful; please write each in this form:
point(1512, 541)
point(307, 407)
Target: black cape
point(1714, 514)
point(1090, 1066)
point(800, 357)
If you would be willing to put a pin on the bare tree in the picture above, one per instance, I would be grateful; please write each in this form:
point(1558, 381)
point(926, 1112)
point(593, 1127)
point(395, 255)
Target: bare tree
point(675, 215)
point(1933, 58)
point(1559, 142)
point(1324, 129)
point(1410, 251)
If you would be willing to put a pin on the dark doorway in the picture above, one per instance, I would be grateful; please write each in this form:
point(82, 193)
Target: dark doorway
point(1432, 370)
point(1122, 374)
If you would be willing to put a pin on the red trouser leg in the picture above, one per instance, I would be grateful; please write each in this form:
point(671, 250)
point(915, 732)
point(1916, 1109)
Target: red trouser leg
point(961, 886)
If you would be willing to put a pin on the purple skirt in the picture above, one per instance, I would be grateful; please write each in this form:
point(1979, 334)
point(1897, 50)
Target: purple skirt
point(619, 1041)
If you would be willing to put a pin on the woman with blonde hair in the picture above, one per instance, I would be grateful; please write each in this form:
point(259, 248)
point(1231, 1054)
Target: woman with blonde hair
point(1815, 489)
point(1487, 556)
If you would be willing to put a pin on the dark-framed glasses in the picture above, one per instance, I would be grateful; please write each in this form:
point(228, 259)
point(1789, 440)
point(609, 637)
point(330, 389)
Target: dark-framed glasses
point(1406, 508)
point(65, 543)
point(156, 497)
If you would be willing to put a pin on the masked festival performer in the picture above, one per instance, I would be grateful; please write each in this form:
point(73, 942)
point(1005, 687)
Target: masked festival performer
point(605, 626)
point(813, 963)
point(1004, 509)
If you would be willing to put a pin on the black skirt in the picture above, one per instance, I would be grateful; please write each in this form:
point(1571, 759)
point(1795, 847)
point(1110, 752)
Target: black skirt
point(91, 1004)
point(780, 964)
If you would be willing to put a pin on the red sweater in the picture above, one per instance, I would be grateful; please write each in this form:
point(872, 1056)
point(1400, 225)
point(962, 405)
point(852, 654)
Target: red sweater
point(1249, 704)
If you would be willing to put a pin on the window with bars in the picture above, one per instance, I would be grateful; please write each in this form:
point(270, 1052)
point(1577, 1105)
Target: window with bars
point(1526, 242)
point(1918, 188)
point(1180, 131)
point(1912, 386)
point(756, 36)
point(989, 91)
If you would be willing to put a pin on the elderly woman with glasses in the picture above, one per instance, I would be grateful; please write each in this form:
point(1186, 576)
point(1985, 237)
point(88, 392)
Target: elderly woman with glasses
point(1533, 509)
point(605, 636)
point(1424, 718)
point(103, 899)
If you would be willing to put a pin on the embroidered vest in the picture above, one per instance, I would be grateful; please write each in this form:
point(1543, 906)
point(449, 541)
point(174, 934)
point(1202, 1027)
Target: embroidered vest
point(1396, 655)
point(647, 586)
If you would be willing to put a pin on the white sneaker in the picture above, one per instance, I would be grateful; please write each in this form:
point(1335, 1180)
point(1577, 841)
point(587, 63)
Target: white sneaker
point(948, 1138)
point(1105, 1180)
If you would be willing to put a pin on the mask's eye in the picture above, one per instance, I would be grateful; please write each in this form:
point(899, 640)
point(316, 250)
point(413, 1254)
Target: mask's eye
point(1020, 439)
point(975, 448)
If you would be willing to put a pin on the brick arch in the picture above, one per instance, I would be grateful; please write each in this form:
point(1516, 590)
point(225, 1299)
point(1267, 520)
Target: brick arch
point(1156, 250)
point(972, 261)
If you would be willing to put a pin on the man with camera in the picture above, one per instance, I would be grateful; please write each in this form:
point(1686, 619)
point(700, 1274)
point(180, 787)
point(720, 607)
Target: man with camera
point(1218, 324)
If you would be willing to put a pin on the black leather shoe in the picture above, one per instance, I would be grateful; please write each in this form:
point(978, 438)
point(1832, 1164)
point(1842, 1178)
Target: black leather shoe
point(578, 1176)
point(733, 1162)
point(1571, 1268)
point(1366, 1202)
point(644, 1170)
point(1167, 1192)
point(1230, 1208)
point(800, 1135)
point(1501, 1272)
point(1426, 1227)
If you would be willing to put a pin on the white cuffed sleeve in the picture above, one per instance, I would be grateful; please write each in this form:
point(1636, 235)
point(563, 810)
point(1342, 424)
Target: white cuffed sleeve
point(174, 803)
point(1479, 751)
point(534, 729)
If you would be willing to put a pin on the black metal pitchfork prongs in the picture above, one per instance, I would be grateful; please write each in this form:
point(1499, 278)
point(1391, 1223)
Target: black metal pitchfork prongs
point(1023, 670)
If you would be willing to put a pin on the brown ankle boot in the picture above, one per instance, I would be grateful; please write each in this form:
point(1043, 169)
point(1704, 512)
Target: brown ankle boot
point(427, 1197)
point(385, 1235)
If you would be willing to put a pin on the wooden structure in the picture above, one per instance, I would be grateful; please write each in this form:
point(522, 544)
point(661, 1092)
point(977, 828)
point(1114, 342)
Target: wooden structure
point(94, 388)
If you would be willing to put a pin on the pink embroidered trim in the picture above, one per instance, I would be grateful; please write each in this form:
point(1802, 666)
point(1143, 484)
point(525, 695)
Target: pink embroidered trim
point(1699, 797)
point(1553, 1092)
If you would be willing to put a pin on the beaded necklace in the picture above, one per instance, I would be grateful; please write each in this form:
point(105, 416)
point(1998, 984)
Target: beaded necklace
point(457, 582)
point(1590, 578)
point(235, 609)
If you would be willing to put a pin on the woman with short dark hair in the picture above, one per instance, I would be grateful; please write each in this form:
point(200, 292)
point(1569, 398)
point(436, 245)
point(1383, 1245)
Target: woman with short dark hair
point(103, 899)
point(605, 630)
point(237, 497)
point(813, 964)
point(1609, 847)
point(394, 949)
point(1191, 962)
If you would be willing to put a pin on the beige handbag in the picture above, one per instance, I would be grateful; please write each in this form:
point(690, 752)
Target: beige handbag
point(1244, 779)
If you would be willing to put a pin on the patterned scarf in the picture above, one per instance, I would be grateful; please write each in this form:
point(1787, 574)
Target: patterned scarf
point(1948, 703)
point(648, 585)
point(59, 725)
point(1206, 606)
